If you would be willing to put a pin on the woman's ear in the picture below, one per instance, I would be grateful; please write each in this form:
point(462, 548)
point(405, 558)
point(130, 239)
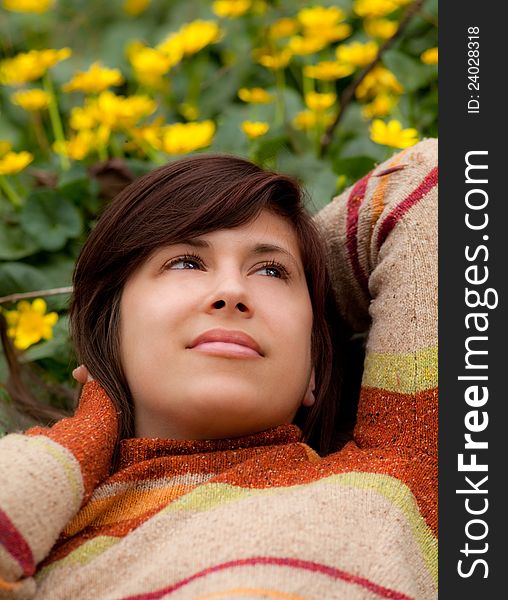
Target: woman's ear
point(309, 399)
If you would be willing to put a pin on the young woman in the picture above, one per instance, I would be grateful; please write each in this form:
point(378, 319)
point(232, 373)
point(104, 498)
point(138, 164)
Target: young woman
point(203, 313)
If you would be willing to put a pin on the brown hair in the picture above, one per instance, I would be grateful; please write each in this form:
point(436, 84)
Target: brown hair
point(187, 198)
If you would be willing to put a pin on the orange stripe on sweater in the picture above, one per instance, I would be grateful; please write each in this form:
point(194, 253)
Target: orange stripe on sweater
point(130, 504)
point(8, 585)
point(65, 546)
point(378, 196)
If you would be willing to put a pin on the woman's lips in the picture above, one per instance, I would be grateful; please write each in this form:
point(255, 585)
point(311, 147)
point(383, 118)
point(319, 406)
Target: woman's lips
point(226, 349)
point(227, 342)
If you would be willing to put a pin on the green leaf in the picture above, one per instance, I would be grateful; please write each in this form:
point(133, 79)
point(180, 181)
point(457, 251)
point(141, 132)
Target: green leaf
point(229, 137)
point(218, 91)
point(82, 190)
point(354, 168)
point(15, 243)
point(18, 277)
point(411, 73)
point(315, 175)
point(57, 269)
point(268, 149)
point(50, 219)
point(139, 167)
point(363, 146)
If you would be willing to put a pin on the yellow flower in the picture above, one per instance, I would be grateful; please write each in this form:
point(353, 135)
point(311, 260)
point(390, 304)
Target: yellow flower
point(377, 81)
point(319, 102)
point(328, 70)
point(5, 147)
point(197, 34)
point(182, 138)
point(284, 27)
point(319, 17)
point(14, 162)
point(31, 99)
point(380, 28)
point(133, 8)
point(377, 8)
point(272, 59)
point(302, 46)
point(231, 8)
point(78, 146)
point(171, 47)
point(357, 54)
point(392, 134)
point(330, 34)
point(121, 112)
point(30, 324)
point(150, 134)
point(429, 57)
point(324, 22)
point(150, 64)
point(255, 95)
point(254, 129)
point(82, 117)
point(95, 80)
point(114, 112)
point(379, 107)
point(28, 66)
point(28, 6)
point(307, 119)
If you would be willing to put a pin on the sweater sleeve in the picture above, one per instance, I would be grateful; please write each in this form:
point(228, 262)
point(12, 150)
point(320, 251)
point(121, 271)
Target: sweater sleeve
point(47, 474)
point(381, 238)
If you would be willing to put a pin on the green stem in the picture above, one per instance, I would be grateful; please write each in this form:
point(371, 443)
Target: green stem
point(253, 149)
point(115, 147)
point(102, 152)
point(317, 136)
point(8, 190)
point(308, 85)
point(281, 84)
point(56, 122)
point(196, 68)
point(40, 134)
point(154, 155)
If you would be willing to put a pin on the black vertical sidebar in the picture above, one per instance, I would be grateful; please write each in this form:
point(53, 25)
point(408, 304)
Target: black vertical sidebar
point(473, 293)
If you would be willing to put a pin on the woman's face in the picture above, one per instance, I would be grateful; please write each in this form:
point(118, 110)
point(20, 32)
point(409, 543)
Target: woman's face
point(245, 281)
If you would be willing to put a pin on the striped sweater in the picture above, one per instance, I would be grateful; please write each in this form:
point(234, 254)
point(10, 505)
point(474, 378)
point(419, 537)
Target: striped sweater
point(261, 516)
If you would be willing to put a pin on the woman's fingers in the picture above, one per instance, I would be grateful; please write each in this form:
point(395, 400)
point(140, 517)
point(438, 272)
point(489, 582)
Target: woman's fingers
point(81, 374)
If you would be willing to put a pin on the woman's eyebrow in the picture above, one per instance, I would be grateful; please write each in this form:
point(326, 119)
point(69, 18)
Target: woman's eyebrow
point(196, 242)
point(269, 248)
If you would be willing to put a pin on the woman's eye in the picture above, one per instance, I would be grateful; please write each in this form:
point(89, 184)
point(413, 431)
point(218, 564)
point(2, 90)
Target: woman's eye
point(275, 270)
point(184, 263)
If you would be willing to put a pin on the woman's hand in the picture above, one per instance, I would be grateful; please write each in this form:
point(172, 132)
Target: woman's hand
point(82, 374)
point(90, 434)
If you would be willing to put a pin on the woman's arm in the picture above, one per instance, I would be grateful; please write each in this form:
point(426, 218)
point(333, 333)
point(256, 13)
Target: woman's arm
point(46, 475)
point(381, 239)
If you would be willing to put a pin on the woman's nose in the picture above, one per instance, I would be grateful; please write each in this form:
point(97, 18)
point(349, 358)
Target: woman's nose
point(222, 304)
point(231, 295)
